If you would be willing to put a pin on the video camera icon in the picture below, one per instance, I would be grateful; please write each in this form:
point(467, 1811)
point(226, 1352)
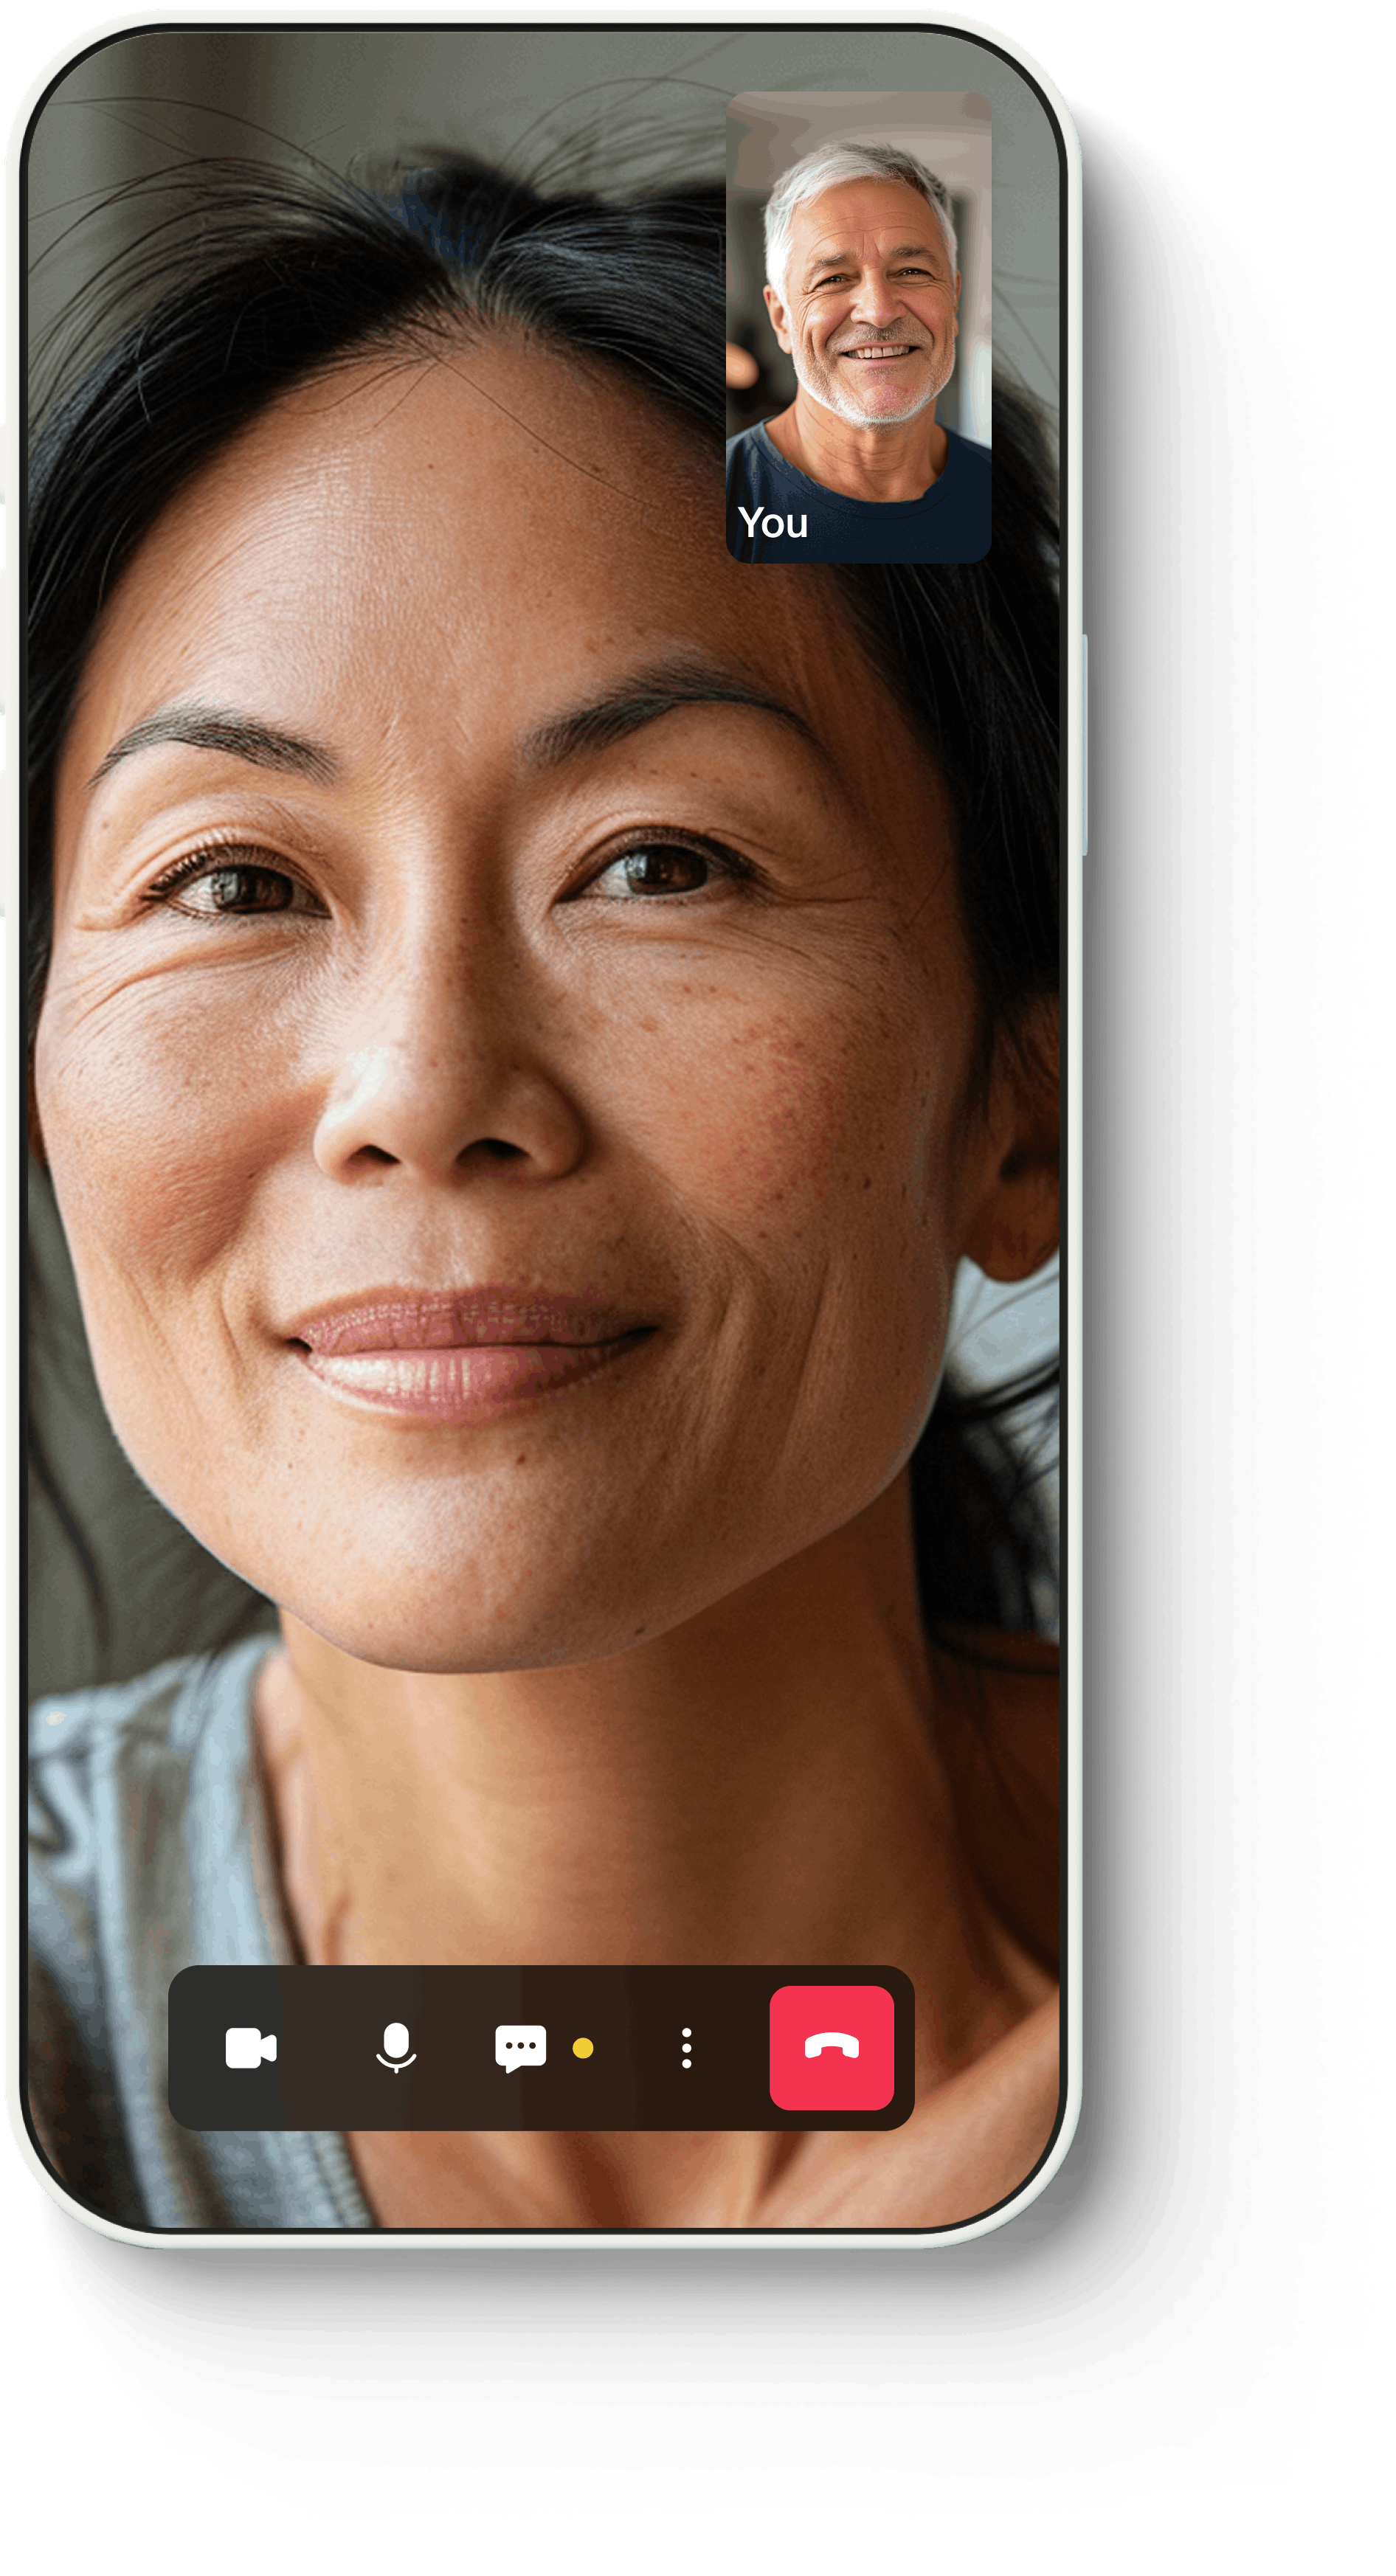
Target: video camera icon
point(248, 2048)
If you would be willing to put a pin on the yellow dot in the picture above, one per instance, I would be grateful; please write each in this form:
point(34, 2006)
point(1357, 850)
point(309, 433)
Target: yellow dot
point(581, 2048)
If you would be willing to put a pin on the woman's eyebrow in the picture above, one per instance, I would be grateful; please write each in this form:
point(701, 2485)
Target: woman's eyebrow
point(220, 729)
point(645, 696)
point(640, 700)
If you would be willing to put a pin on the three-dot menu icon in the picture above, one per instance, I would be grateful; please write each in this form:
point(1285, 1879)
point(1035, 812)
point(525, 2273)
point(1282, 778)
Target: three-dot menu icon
point(686, 2061)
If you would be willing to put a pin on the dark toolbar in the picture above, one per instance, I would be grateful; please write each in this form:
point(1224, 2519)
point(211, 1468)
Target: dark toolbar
point(542, 2048)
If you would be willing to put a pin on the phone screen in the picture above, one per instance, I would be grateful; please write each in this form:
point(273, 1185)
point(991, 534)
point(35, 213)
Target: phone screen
point(546, 667)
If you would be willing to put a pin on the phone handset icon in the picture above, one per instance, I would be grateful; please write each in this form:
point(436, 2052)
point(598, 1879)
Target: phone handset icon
point(822, 2039)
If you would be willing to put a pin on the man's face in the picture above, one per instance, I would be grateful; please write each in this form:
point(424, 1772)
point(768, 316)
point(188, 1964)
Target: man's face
point(869, 303)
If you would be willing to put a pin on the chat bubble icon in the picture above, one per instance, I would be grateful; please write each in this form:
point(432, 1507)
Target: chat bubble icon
point(520, 2043)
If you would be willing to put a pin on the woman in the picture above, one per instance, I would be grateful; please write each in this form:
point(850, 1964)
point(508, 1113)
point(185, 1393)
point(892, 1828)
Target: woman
point(529, 1016)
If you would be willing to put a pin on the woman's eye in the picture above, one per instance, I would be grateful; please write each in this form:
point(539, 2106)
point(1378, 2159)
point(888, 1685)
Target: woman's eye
point(209, 887)
point(664, 868)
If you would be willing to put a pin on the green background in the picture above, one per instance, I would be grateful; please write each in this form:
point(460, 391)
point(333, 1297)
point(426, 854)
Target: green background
point(1281, 117)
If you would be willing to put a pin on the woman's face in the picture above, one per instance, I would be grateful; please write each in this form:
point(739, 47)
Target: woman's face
point(506, 1056)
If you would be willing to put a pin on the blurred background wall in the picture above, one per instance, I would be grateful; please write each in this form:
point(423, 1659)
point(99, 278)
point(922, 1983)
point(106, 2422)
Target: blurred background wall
point(950, 131)
point(619, 103)
point(605, 107)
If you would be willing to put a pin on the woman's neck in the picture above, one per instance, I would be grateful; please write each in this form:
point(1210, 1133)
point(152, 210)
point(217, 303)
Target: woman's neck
point(761, 1785)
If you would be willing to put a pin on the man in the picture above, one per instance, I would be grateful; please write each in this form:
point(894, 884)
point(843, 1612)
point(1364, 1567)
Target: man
point(863, 294)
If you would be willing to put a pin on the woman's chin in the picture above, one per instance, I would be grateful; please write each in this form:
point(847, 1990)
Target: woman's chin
point(526, 1635)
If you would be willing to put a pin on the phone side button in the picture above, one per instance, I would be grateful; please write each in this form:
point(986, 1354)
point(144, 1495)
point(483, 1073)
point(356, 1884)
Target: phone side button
point(1085, 748)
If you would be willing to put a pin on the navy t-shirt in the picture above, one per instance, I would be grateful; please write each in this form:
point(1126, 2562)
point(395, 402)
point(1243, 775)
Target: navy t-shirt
point(949, 523)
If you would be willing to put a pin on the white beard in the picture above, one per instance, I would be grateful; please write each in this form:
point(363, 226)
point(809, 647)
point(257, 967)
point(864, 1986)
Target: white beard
point(834, 398)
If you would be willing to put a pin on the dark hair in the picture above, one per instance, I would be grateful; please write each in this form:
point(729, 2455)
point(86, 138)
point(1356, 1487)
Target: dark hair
point(251, 281)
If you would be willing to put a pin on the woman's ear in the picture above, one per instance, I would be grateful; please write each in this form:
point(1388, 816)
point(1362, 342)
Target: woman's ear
point(1014, 1211)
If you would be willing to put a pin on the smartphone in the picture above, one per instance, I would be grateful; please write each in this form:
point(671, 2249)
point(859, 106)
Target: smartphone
point(553, 695)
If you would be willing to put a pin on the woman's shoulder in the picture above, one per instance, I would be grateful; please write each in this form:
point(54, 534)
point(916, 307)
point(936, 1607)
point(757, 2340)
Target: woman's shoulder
point(124, 1779)
point(170, 1707)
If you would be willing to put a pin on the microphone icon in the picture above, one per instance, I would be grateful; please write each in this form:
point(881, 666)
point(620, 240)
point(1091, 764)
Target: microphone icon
point(397, 2040)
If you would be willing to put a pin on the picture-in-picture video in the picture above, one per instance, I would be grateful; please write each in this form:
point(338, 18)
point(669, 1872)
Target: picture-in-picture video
point(859, 328)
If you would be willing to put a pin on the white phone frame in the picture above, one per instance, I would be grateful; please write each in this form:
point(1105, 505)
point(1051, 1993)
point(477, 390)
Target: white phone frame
point(1073, 778)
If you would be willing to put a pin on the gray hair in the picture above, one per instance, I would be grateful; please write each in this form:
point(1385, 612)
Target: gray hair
point(826, 167)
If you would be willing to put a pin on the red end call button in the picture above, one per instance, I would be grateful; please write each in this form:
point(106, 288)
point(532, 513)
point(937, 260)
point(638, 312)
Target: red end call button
point(833, 2048)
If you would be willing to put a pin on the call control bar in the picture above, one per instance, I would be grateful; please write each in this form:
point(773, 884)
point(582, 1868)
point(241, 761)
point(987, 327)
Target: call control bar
point(541, 2048)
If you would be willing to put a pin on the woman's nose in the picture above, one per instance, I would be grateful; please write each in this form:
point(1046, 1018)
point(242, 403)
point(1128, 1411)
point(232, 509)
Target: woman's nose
point(438, 1076)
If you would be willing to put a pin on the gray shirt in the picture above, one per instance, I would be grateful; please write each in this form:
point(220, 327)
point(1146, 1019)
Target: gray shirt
point(149, 1852)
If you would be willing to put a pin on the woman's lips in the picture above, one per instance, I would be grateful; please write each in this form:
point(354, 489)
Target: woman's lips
point(465, 1357)
point(399, 1319)
point(462, 1385)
